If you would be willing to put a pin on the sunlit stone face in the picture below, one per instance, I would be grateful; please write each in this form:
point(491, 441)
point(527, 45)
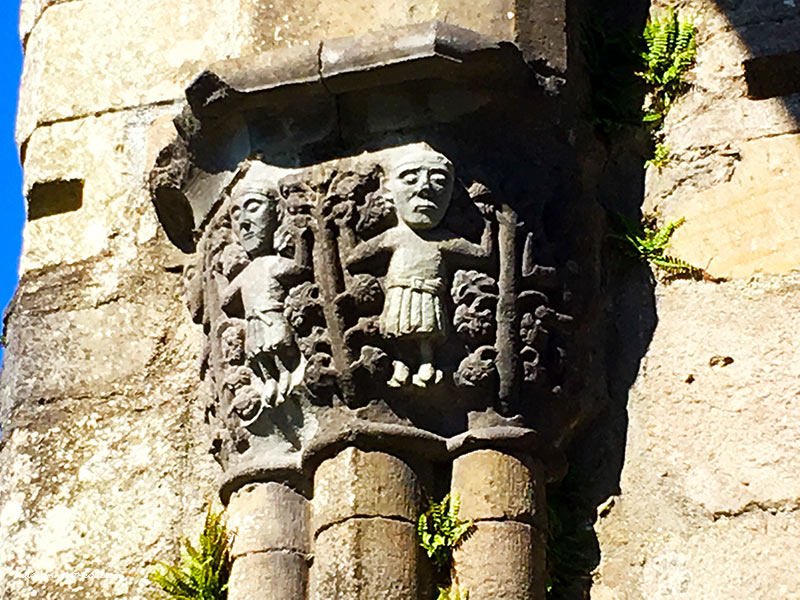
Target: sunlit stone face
point(421, 185)
point(254, 214)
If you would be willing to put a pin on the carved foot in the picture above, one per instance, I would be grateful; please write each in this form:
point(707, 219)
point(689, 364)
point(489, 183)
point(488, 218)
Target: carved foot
point(427, 375)
point(400, 374)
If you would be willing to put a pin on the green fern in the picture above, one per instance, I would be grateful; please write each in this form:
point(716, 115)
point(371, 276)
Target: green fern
point(451, 593)
point(650, 245)
point(203, 571)
point(661, 156)
point(670, 52)
point(441, 531)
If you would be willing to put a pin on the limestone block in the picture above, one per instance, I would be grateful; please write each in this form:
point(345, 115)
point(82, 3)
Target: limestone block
point(268, 516)
point(268, 576)
point(284, 23)
point(109, 155)
point(82, 58)
point(651, 547)
point(501, 561)
point(716, 109)
point(746, 224)
point(493, 485)
point(364, 484)
point(97, 488)
point(30, 11)
point(365, 559)
point(713, 415)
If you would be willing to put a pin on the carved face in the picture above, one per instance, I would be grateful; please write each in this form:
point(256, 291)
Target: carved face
point(421, 184)
point(254, 208)
point(254, 219)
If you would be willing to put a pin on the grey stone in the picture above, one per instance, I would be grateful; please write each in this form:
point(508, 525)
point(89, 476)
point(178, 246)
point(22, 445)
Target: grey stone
point(268, 516)
point(495, 485)
point(364, 559)
point(268, 576)
point(501, 561)
point(364, 484)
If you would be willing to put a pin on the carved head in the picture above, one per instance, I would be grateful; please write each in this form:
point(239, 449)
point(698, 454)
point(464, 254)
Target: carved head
point(254, 207)
point(420, 181)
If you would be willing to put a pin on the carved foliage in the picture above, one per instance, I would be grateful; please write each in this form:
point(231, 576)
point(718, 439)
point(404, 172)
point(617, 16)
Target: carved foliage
point(361, 292)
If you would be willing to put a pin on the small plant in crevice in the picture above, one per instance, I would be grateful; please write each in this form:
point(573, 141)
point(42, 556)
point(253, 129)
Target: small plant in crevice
point(202, 571)
point(635, 77)
point(661, 156)
point(441, 531)
point(649, 243)
point(670, 52)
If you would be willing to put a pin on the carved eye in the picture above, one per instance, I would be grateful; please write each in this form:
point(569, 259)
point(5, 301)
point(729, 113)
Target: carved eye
point(439, 179)
point(236, 213)
point(253, 204)
point(409, 177)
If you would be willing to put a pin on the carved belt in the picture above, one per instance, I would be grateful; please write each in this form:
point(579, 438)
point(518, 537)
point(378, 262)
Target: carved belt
point(419, 284)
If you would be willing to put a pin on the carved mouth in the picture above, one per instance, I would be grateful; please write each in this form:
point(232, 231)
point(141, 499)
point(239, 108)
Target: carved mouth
point(425, 207)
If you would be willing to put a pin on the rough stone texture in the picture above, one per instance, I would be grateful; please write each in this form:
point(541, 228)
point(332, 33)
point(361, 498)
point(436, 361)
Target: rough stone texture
point(102, 450)
point(104, 467)
point(732, 174)
point(151, 62)
point(364, 559)
point(269, 576)
point(364, 484)
point(743, 221)
point(708, 495)
point(711, 456)
point(494, 485)
point(109, 154)
point(501, 561)
point(268, 516)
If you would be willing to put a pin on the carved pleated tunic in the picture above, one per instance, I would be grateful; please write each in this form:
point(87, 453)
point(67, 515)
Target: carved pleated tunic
point(414, 307)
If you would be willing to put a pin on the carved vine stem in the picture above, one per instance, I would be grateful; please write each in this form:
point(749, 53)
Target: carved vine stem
point(507, 305)
point(331, 283)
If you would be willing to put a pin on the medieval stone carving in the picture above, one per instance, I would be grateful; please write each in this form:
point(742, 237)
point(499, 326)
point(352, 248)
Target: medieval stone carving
point(375, 290)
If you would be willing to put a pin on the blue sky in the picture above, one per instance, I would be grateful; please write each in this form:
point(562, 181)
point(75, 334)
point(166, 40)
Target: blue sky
point(13, 216)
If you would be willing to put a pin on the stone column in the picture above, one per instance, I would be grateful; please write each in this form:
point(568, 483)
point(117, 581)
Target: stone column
point(364, 514)
point(504, 558)
point(270, 550)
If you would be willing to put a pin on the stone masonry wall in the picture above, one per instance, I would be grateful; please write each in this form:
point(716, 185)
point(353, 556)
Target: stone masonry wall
point(709, 491)
point(103, 466)
point(103, 458)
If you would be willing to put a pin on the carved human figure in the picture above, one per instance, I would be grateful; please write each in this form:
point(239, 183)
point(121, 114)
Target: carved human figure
point(258, 291)
point(420, 182)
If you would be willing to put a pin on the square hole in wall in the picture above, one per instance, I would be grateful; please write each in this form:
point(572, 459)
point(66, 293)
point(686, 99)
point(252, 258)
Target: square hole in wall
point(54, 197)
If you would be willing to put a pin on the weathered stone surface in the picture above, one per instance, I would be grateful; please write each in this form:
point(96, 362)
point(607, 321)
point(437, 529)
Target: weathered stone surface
point(710, 486)
point(742, 222)
point(660, 548)
point(721, 432)
point(501, 561)
point(774, 66)
point(364, 484)
point(268, 516)
point(141, 65)
point(97, 487)
point(716, 109)
point(30, 11)
point(138, 64)
point(108, 154)
point(365, 559)
point(494, 485)
point(269, 576)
